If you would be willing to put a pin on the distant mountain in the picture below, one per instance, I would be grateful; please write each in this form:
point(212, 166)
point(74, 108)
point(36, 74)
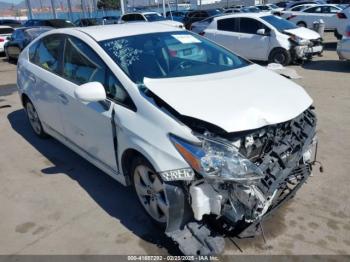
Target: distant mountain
point(46, 3)
point(4, 5)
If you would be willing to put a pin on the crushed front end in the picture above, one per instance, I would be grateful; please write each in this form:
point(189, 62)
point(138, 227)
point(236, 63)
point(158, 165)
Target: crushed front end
point(302, 49)
point(238, 179)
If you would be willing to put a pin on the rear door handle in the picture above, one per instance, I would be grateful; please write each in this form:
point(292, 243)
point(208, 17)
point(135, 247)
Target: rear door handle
point(64, 100)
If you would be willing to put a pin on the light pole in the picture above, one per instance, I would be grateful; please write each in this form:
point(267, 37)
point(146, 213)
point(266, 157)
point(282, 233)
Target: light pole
point(122, 7)
point(164, 8)
point(70, 10)
point(53, 9)
point(29, 9)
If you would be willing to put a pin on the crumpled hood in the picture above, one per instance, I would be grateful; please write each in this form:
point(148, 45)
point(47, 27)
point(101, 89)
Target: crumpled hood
point(235, 100)
point(304, 33)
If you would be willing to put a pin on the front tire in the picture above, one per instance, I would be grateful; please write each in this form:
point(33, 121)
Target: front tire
point(150, 189)
point(34, 119)
point(280, 56)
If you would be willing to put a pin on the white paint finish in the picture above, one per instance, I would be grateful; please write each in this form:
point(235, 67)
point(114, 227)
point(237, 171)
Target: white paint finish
point(342, 24)
point(87, 126)
point(100, 33)
point(304, 33)
point(233, 100)
point(90, 92)
point(343, 48)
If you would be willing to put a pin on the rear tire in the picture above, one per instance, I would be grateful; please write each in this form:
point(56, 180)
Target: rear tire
point(280, 56)
point(34, 119)
point(150, 190)
point(301, 24)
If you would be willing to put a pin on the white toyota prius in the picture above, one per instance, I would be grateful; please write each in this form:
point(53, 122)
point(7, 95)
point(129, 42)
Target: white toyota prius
point(211, 143)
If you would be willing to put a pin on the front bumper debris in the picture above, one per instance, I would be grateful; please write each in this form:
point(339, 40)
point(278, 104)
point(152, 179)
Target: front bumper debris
point(306, 52)
point(282, 152)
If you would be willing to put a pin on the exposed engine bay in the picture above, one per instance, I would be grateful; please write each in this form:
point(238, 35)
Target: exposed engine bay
point(273, 162)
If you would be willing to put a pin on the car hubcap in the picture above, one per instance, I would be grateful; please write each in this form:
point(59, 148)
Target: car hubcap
point(279, 58)
point(33, 118)
point(151, 193)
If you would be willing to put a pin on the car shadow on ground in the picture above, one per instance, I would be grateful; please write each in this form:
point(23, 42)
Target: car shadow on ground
point(6, 90)
point(328, 65)
point(330, 46)
point(118, 201)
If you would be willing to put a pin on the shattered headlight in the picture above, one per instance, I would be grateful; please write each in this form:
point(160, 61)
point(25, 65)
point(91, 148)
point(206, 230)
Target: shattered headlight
point(299, 40)
point(218, 159)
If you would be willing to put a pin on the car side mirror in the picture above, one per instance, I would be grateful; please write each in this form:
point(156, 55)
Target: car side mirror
point(90, 92)
point(261, 31)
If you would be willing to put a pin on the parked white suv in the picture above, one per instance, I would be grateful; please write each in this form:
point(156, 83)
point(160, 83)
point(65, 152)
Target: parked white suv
point(261, 37)
point(199, 136)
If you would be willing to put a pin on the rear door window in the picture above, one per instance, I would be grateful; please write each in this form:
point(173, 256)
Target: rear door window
point(228, 24)
point(316, 9)
point(138, 17)
point(48, 53)
point(127, 18)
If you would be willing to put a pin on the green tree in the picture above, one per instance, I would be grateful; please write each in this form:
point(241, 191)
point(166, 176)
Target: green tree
point(108, 4)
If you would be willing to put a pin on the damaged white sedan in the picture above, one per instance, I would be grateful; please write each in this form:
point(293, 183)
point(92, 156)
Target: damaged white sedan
point(211, 143)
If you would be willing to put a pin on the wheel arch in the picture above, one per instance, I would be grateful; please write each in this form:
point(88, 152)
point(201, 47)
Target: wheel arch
point(127, 159)
point(24, 99)
point(302, 22)
point(279, 48)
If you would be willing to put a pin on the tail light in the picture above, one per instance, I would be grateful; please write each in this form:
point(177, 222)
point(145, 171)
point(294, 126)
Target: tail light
point(290, 17)
point(2, 39)
point(201, 33)
point(341, 16)
point(347, 33)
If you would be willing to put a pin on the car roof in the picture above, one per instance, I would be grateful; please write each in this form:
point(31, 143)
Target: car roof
point(149, 13)
point(251, 15)
point(25, 28)
point(5, 26)
point(100, 33)
point(141, 13)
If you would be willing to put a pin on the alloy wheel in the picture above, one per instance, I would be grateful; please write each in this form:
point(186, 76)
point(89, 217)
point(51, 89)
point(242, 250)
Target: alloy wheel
point(151, 192)
point(33, 118)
